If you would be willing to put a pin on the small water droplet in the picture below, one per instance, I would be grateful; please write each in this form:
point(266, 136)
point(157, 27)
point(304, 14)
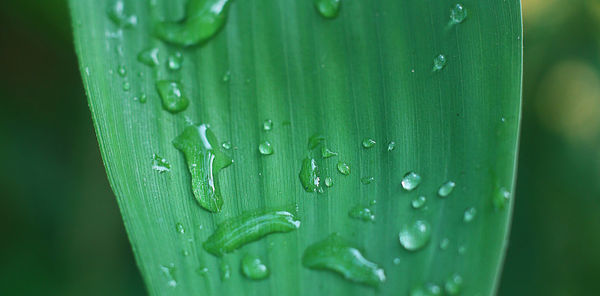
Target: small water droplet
point(458, 14)
point(315, 140)
point(171, 93)
point(267, 125)
point(328, 182)
point(226, 76)
point(179, 227)
point(225, 271)
point(202, 271)
point(501, 198)
point(439, 63)
point(446, 189)
point(415, 236)
point(428, 289)
point(326, 153)
point(185, 253)
point(469, 214)
point(126, 86)
point(265, 148)
point(391, 146)
point(149, 57)
point(122, 71)
point(444, 244)
point(362, 213)
point(226, 145)
point(160, 164)
point(343, 168)
point(116, 13)
point(175, 60)
point(328, 8)
point(368, 143)
point(411, 181)
point(462, 250)
point(453, 284)
point(253, 268)
point(418, 202)
point(367, 180)
point(397, 261)
point(169, 272)
point(309, 175)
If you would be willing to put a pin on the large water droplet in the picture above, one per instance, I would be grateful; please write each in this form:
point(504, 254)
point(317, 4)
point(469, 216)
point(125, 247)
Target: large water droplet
point(175, 60)
point(446, 189)
point(336, 254)
point(328, 8)
point(439, 63)
point(202, 21)
point(204, 160)
point(160, 164)
point(418, 202)
point(453, 284)
point(116, 13)
point(326, 153)
point(309, 175)
point(368, 143)
point(458, 14)
point(428, 289)
point(267, 125)
point(410, 181)
point(149, 57)
point(362, 213)
point(501, 198)
point(253, 268)
point(415, 236)
point(173, 99)
point(343, 168)
point(251, 226)
point(265, 148)
point(469, 214)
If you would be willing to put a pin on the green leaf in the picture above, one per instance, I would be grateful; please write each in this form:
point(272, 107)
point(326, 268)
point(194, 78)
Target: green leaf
point(385, 88)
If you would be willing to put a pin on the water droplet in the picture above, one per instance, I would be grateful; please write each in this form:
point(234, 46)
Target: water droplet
point(418, 202)
point(391, 145)
point(326, 153)
point(122, 71)
point(328, 182)
point(225, 271)
point(458, 14)
point(446, 189)
point(444, 244)
point(373, 202)
point(265, 148)
point(453, 284)
point(267, 125)
point(142, 99)
point(410, 181)
point(202, 21)
point(202, 271)
point(226, 76)
point(462, 250)
point(428, 289)
point(204, 163)
point(173, 99)
point(343, 168)
point(362, 213)
point(226, 145)
point(246, 228)
point(315, 140)
point(336, 254)
point(253, 268)
point(397, 261)
point(169, 272)
point(175, 60)
point(328, 8)
point(185, 253)
point(160, 164)
point(368, 143)
point(367, 180)
point(149, 57)
point(439, 63)
point(469, 215)
point(415, 236)
point(179, 227)
point(501, 198)
point(126, 86)
point(309, 175)
point(116, 13)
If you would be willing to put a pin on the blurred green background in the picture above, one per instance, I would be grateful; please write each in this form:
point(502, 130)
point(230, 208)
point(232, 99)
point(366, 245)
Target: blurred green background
point(61, 228)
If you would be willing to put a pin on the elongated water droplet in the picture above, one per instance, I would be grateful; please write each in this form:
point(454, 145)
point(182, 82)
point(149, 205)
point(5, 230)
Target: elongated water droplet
point(225, 271)
point(336, 254)
point(251, 226)
point(444, 244)
point(415, 236)
point(439, 63)
point(267, 125)
point(326, 153)
point(362, 213)
point(199, 146)
point(226, 145)
point(253, 268)
point(453, 284)
point(226, 76)
point(203, 20)
point(202, 271)
point(343, 168)
point(368, 143)
point(391, 146)
point(179, 227)
point(171, 93)
point(126, 86)
point(122, 71)
point(149, 57)
point(328, 182)
point(469, 214)
point(265, 148)
point(367, 180)
point(418, 202)
point(175, 60)
point(117, 15)
point(160, 164)
point(315, 140)
point(310, 175)
point(446, 189)
point(501, 198)
point(428, 289)
point(458, 14)
point(169, 272)
point(328, 8)
point(411, 181)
